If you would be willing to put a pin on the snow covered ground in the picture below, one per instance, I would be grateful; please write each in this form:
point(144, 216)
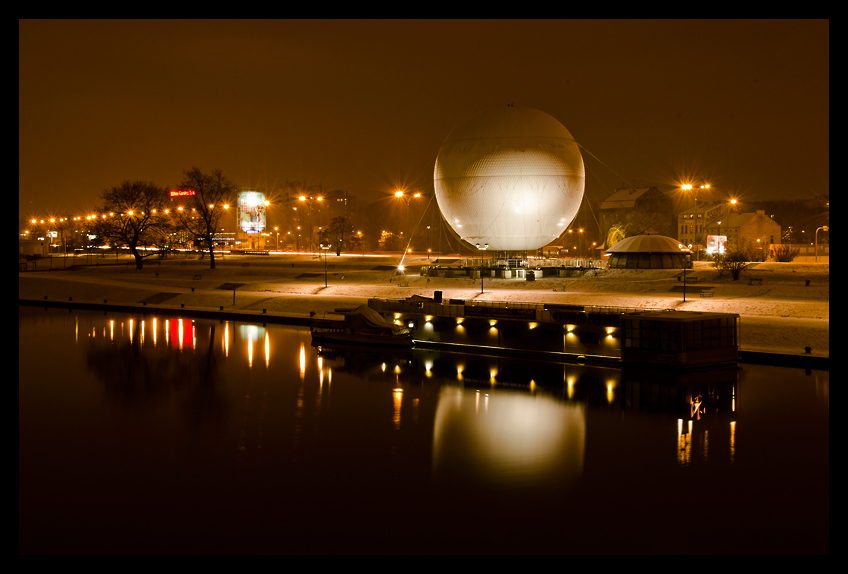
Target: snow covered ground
point(784, 314)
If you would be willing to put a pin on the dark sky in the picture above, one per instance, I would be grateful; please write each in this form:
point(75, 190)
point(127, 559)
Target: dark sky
point(364, 106)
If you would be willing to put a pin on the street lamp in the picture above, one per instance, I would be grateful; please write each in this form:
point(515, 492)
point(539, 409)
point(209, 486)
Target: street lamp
point(481, 264)
point(690, 187)
point(826, 228)
point(325, 248)
point(310, 201)
point(401, 195)
point(579, 246)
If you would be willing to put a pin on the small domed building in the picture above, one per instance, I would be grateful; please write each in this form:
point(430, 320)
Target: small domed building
point(647, 252)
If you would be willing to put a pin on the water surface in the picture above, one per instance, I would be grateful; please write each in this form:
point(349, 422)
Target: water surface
point(149, 434)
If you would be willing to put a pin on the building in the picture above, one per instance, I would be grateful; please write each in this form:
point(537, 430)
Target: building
point(644, 209)
point(754, 229)
point(692, 222)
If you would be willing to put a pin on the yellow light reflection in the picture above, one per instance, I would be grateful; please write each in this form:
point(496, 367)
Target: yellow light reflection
point(383, 367)
point(732, 441)
point(180, 331)
point(154, 331)
point(398, 396)
point(227, 339)
point(267, 351)
point(302, 361)
point(142, 334)
point(111, 330)
point(250, 351)
point(684, 445)
point(570, 387)
point(610, 387)
point(131, 331)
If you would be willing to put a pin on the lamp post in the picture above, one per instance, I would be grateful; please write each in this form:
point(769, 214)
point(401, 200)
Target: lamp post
point(325, 248)
point(310, 201)
point(690, 187)
point(402, 195)
point(579, 243)
point(826, 228)
point(481, 264)
point(718, 239)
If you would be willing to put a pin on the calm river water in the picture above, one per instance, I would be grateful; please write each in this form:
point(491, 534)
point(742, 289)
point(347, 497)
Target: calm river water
point(143, 434)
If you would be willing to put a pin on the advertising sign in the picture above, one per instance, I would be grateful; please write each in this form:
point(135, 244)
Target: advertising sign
point(181, 192)
point(716, 243)
point(251, 211)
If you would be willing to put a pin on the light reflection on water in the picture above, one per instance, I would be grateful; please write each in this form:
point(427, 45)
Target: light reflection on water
point(325, 432)
point(511, 440)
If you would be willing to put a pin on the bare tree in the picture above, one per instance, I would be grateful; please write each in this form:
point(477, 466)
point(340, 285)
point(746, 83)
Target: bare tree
point(336, 232)
point(204, 209)
point(133, 215)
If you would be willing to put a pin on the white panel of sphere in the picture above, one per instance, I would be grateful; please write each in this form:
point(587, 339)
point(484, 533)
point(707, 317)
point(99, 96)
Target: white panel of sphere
point(510, 178)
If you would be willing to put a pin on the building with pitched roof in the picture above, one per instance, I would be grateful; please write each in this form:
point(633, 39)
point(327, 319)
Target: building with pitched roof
point(755, 229)
point(643, 206)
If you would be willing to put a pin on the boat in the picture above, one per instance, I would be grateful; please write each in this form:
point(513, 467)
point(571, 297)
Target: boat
point(363, 326)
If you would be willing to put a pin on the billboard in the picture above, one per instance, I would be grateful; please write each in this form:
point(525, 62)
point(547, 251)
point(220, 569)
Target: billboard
point(251, 211)
point(181, 192)
point(716, 243)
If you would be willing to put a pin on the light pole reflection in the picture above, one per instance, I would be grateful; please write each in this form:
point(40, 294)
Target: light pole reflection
point(397, 395)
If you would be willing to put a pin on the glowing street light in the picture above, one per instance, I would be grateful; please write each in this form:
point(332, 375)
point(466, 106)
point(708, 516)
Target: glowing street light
point(310, 201)
point(826, 228)
point(690, 187)
point(486, 246)
point(400, 194)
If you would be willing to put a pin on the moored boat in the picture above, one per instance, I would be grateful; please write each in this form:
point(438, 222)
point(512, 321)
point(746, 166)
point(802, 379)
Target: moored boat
point(364, 326)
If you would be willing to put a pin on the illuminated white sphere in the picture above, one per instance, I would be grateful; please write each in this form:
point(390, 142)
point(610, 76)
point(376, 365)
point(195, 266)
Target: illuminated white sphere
point(511, 178)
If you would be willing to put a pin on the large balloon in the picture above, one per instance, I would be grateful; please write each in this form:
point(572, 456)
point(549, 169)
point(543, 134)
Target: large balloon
point(511, 178)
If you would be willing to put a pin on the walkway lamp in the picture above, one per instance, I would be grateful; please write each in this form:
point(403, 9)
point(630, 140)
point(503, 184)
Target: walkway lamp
point(486, 246)
point(325, 248)
point(826, 228)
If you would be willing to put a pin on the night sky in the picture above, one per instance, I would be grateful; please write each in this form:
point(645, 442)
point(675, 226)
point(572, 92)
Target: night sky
point(364, 106)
